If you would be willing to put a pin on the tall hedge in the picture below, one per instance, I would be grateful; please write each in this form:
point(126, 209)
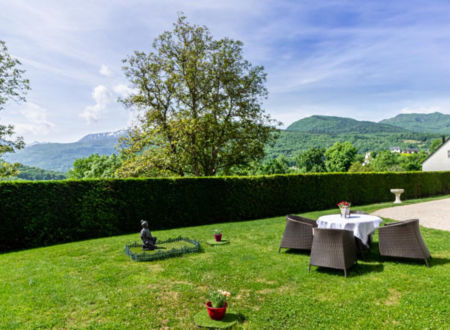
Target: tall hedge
point(48, 212)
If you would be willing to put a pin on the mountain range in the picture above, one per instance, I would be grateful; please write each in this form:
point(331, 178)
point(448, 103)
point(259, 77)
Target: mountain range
point(435, 122)
point(404, 130)
point(334, 125)
point(60, 156)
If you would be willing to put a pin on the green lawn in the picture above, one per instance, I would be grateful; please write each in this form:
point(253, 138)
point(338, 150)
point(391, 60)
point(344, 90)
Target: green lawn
point(93, 284)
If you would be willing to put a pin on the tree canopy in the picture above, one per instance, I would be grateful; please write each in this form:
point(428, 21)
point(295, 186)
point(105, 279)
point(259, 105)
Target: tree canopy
point(435, 144)
point(12, 87)
point(200, 105)
point(339, 157)
point(312, 160)
point(95, 166)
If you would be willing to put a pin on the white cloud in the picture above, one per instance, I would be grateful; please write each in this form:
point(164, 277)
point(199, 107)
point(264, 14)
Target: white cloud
point(102, 98)
point(36, 121)
point(105, 71)
point(364, 60)
point(123, 90)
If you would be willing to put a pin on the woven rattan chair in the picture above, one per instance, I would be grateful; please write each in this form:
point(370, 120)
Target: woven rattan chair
point(403, 239)
point(297, 233)
point(333, 248)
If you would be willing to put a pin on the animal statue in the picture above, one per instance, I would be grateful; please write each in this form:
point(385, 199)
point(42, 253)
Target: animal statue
point(148, 241)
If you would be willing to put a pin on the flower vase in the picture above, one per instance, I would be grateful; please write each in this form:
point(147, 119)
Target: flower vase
point(218, 237)
point(216, 313)
point(345, 212)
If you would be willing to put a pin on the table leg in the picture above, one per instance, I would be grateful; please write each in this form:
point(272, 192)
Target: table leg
point(361, 249)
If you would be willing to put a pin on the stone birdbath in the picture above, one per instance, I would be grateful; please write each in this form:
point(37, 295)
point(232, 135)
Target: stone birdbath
point(397, 193)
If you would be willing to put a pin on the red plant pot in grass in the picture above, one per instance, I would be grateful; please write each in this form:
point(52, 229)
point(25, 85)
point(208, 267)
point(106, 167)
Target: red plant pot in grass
point(216, 313)
point(218, 237)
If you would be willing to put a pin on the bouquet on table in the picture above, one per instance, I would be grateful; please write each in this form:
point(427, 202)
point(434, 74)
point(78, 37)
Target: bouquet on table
point(344, 206)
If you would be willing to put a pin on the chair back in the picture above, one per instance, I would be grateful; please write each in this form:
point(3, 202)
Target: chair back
point(301, 219)
point(332, 234)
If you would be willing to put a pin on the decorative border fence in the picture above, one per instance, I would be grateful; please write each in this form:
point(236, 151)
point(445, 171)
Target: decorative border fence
point(163, 254)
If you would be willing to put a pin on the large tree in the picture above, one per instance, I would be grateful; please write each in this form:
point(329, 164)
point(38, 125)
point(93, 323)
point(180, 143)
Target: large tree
point(339, 157)
point(435, 144)
point(200, 105)
point(12, 88)
point(95, 166)
point(312, 160)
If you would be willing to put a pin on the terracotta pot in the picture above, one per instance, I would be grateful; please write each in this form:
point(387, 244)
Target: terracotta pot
point(218, 237)
point(216, 313)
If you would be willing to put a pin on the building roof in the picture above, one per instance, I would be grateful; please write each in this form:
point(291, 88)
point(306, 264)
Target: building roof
point(443, 144)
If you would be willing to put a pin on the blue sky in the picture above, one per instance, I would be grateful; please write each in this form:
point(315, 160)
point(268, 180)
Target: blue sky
point(368, 60)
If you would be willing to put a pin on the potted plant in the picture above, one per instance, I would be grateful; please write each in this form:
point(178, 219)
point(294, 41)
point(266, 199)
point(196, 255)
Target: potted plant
point(217, 304)
point(344, 207)
point(218, 235)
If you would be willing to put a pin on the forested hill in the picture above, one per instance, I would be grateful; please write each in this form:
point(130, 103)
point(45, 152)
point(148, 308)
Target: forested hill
point(339, 125)
point(60, 156)
point(324, 131)
point(291, 143)
point(422, 122)
point(314, 131)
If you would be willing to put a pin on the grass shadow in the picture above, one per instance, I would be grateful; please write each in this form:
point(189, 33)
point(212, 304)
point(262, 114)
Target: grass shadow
point(438, 261)
point(296, 251)
point(406, 261)
point(356, 270)
point(372, 255)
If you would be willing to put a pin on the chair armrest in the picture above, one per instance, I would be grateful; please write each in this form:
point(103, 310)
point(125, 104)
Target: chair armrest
point(302, 220)
point(397, 226)
point(400, 223)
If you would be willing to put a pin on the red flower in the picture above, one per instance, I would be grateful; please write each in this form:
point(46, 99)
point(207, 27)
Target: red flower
point(344, 204)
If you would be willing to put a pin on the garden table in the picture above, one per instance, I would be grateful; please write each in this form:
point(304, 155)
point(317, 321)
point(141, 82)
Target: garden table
point(362, 225)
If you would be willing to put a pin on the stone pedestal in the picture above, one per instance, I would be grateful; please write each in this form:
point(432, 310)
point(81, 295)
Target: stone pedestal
point(397, 193)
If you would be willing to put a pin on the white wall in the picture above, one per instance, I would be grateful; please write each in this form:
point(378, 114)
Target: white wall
point(439, 161)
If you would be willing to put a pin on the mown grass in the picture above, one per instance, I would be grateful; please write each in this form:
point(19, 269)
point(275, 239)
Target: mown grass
point(93, 284)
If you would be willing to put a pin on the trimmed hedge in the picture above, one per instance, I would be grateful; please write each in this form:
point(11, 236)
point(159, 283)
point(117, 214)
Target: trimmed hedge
point(47, 212)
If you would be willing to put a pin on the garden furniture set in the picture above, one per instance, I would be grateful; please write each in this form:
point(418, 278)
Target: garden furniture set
point(335, 242)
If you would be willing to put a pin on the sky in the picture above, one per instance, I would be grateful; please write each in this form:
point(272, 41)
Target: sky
point(368, 60)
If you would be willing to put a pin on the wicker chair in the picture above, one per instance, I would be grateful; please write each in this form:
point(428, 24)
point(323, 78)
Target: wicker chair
point(333, 248)
point(403, 239)
point(297, 233)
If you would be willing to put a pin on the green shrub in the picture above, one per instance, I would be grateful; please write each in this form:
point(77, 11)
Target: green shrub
point(42, 213)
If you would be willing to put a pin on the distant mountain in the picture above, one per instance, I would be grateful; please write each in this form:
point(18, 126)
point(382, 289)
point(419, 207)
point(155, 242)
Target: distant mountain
point(60, 156)
point(404, 131)
point(340, 125)
point(421, 122)
point(324, 131)
point(103, 137)
point(291, 143)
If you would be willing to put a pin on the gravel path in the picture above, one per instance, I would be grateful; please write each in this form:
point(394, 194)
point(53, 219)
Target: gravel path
point(433, 214)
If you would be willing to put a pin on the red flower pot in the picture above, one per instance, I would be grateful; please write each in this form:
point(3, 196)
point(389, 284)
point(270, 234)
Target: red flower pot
point(218, 237)
point(216, 313)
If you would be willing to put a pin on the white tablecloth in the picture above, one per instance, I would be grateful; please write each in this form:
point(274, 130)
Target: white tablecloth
point(362, 225)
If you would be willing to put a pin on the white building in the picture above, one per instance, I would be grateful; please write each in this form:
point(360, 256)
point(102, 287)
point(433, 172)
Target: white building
point(439, 160)
point(367, 159)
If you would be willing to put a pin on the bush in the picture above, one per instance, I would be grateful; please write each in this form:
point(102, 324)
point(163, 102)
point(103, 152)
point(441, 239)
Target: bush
point(42, 213)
